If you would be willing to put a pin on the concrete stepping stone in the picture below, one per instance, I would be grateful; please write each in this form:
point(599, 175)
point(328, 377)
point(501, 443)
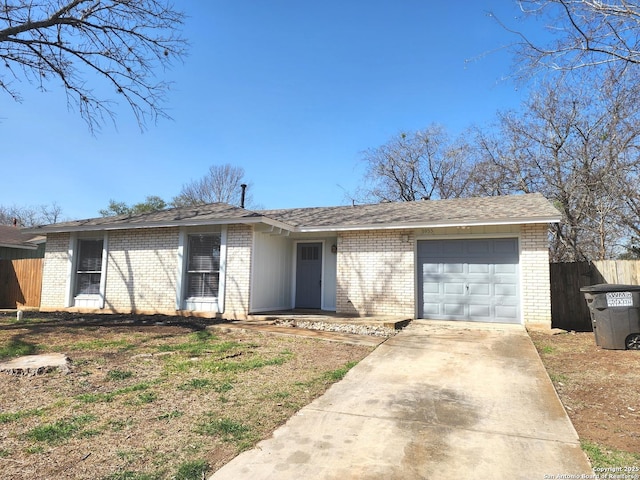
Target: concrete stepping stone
point(31, 365)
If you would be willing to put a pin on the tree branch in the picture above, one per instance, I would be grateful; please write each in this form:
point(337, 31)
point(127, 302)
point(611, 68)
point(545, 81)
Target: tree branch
point(123, 42)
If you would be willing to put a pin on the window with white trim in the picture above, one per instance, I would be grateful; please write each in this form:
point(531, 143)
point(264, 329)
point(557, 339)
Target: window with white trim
point(89, 267)
point(203, 266)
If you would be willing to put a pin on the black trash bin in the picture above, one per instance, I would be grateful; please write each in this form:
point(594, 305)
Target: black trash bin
point(615, 315)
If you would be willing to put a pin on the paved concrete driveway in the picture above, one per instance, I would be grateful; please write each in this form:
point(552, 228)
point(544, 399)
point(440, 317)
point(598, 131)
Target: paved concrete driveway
point(438, 401)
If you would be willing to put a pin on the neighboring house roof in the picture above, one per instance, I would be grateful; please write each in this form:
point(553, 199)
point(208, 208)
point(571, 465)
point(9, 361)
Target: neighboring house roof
point(14, 237)
point(513, 209)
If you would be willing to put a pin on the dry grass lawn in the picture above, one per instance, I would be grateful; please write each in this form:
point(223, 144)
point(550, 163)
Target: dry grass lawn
point(151, 398)
point(151, 401)
point(600, 391)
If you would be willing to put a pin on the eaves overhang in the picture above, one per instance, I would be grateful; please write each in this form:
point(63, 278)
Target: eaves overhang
point(87, 227)
point(431, 224)
point(276, 224)
point(21, 246)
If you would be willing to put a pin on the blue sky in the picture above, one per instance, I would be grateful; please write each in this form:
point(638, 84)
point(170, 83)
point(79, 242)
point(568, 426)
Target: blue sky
point(291, 90)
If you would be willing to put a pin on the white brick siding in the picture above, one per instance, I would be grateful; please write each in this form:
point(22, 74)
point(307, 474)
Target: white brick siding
point(238, 277)
point(375, 273)
point(142, 270)
point(55, 271)
point(534, 265)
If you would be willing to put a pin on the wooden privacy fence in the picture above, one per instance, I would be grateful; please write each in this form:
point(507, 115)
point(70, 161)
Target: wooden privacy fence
point(568, 307)
point(20, 282)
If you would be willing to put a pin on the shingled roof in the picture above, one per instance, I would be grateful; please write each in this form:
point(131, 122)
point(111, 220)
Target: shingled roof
point(14, 237)
point(530, 208)
point(210, 214)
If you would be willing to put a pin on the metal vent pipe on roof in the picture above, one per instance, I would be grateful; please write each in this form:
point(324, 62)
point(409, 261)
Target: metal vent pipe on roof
point(244, 189)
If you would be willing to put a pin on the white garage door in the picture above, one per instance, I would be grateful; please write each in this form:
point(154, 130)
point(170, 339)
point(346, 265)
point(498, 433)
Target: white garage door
point(469, 280)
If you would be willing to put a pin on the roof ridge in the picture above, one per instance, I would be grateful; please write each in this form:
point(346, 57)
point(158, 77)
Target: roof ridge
point(502, 209)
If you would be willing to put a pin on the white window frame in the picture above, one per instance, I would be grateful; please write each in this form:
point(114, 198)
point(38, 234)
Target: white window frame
point(94, 300)
point(206, 304)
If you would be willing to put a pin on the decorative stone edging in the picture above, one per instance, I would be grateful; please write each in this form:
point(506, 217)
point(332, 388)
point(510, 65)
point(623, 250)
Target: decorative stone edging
point(357, 329)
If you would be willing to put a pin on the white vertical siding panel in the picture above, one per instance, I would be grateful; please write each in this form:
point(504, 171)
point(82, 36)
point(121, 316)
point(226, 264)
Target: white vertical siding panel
point(271, 282)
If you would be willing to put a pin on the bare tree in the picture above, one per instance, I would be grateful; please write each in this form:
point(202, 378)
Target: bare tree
point(594, 44)
point(630, 218)
point(585, 33)
point(51, 213)
point(222, 183)
point(579, 147)
point(123, 42)
point(416, 165)
point(27, 216)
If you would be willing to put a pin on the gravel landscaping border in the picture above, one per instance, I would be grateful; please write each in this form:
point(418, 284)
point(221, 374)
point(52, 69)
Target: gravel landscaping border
point(357, 329)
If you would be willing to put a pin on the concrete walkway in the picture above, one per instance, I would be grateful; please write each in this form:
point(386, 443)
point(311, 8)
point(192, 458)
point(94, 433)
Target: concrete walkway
point(440, 400)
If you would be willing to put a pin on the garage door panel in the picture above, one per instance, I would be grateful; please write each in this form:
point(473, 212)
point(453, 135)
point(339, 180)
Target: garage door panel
point(506, 279)
point(453, 288)
point(431, 309)
point(507, 269)
point(451, 249)
point(480, 312)
point(505, 313)
point(473, 280)
point(479, 268)
point(453, 309)
point(479, 247)
point(505, 247)
point(431, 288)
point(479, 289)
point(430, 268)
point(506, 290)
point(453, 268)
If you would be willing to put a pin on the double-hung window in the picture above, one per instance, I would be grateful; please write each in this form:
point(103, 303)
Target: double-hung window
point(88, 267)
point(203, 266)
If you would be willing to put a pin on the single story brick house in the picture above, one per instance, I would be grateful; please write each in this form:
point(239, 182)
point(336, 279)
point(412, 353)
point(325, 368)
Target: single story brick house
point(472, 259)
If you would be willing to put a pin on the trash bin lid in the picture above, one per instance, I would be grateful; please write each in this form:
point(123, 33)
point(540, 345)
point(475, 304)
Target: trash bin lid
point(610, 287)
